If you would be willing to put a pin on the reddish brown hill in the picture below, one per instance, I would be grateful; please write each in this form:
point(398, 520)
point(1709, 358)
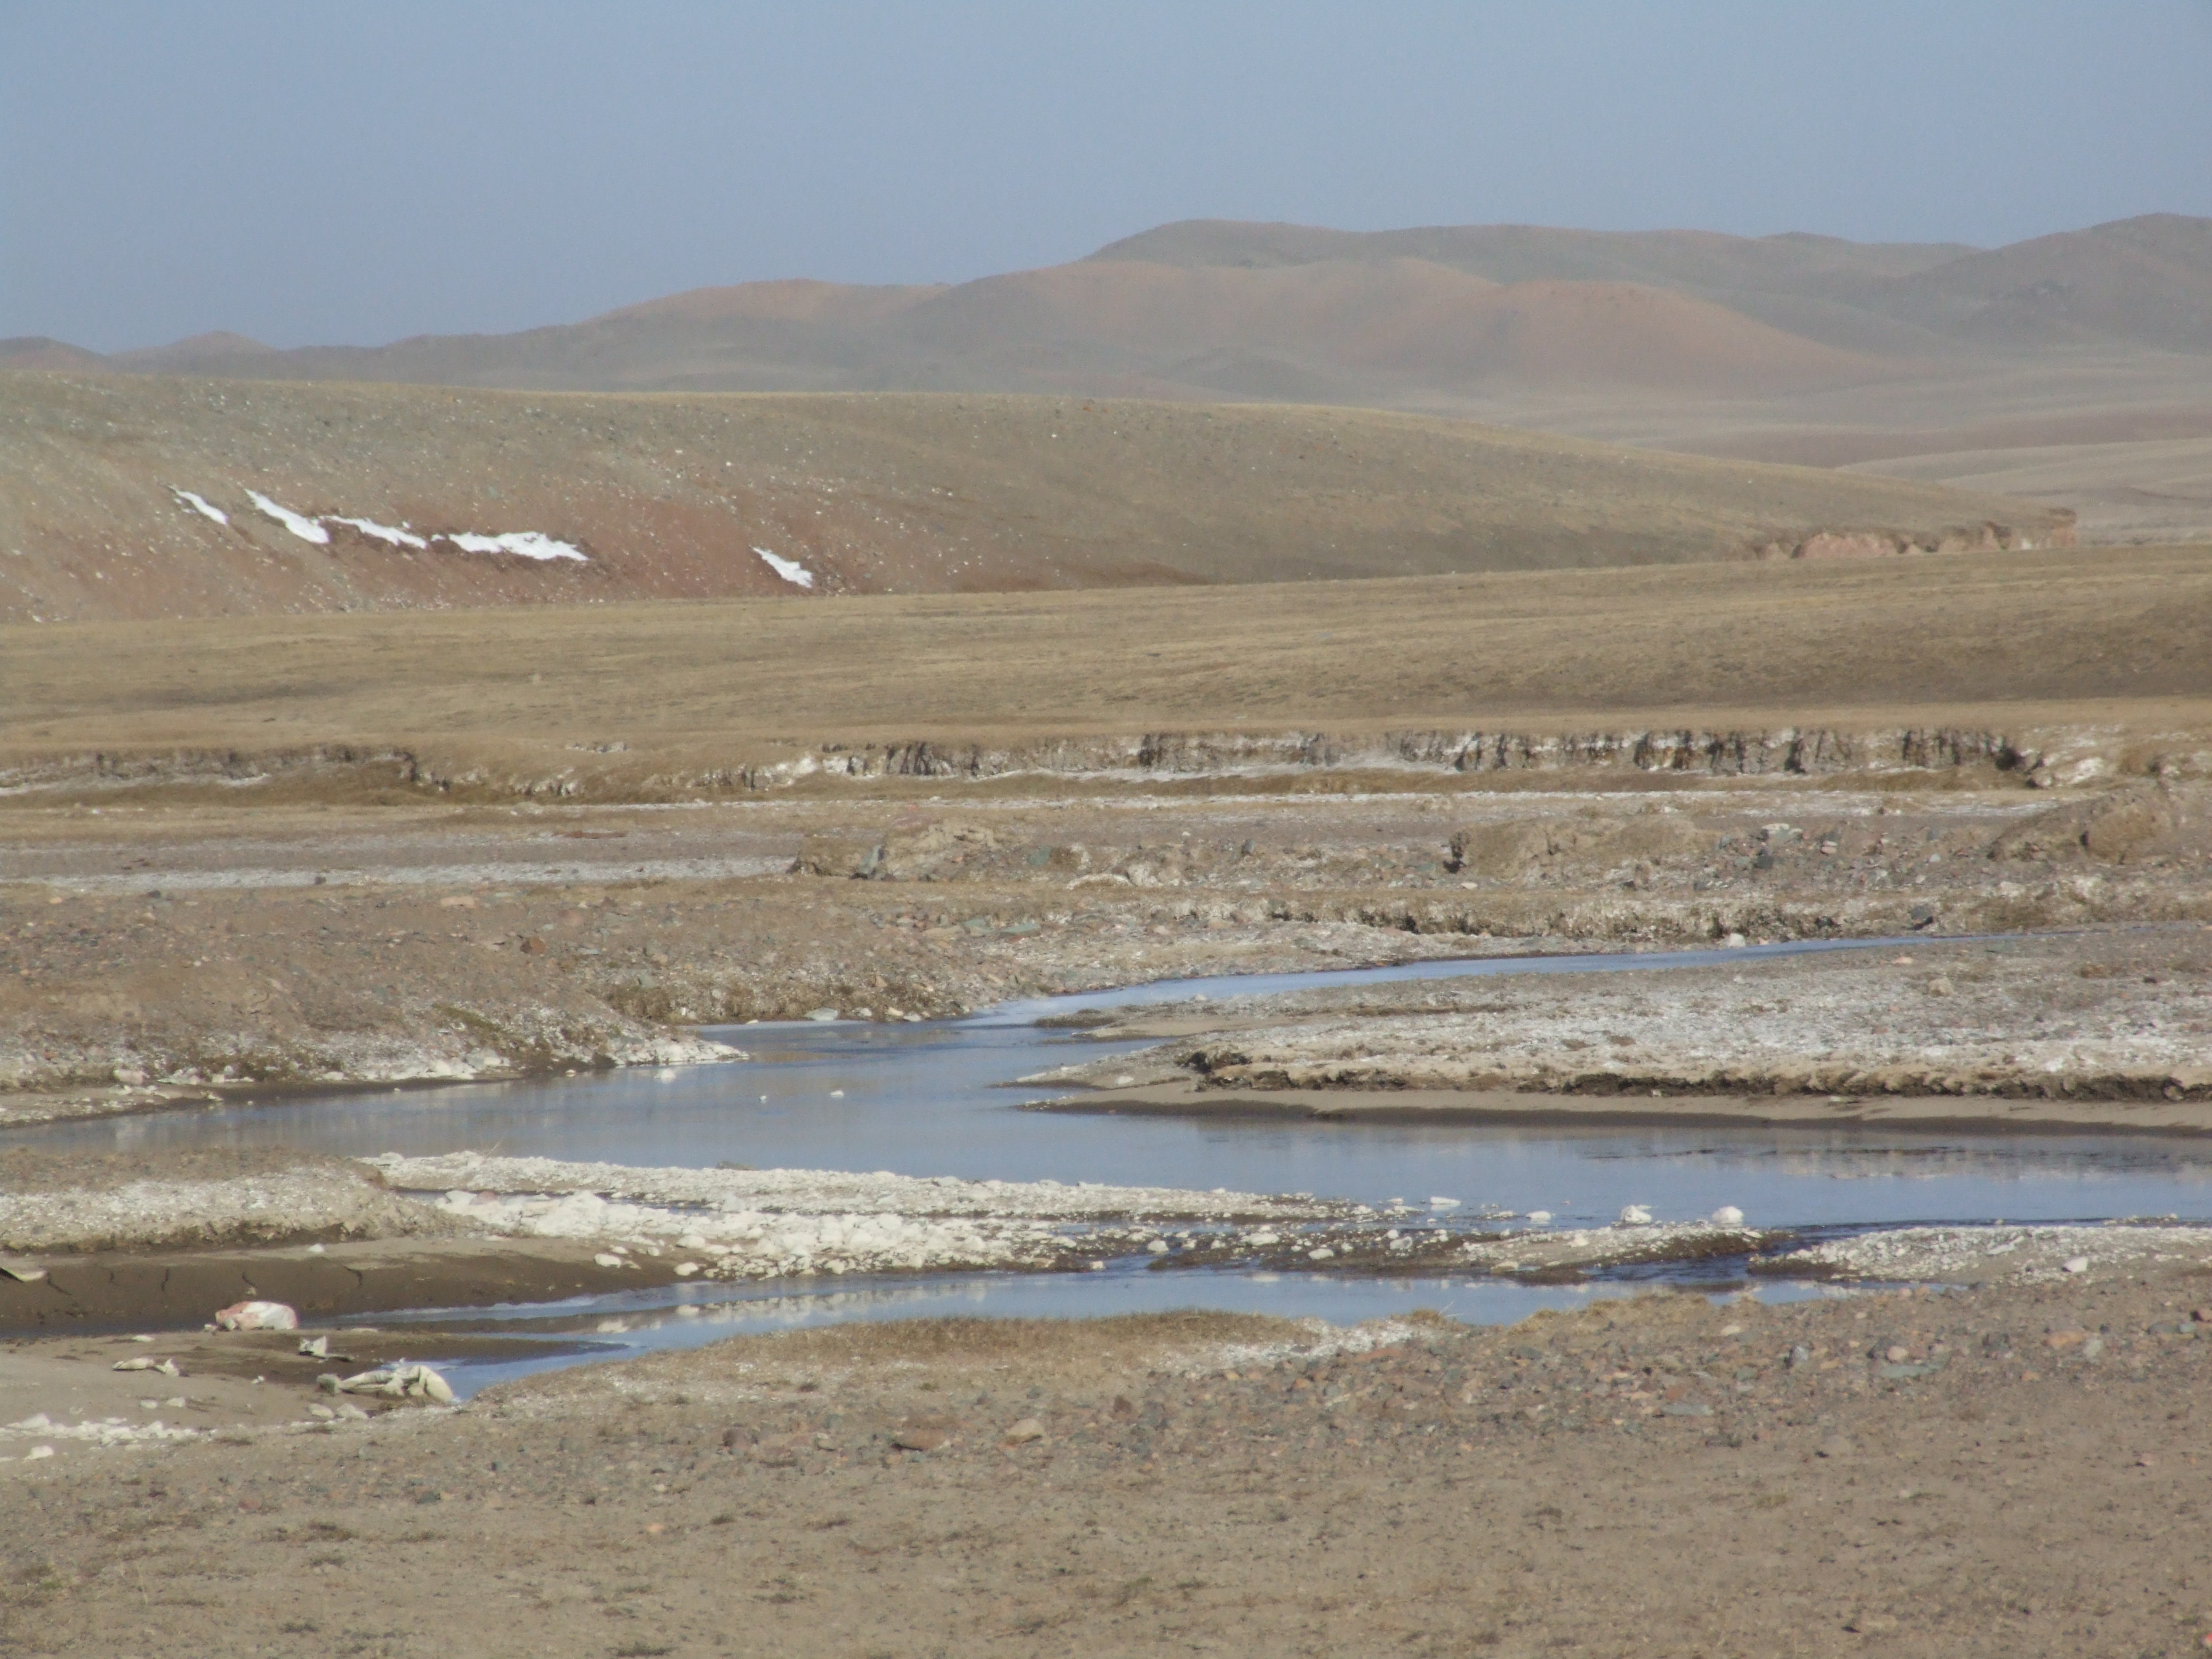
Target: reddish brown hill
point(37, 352)
point(1425, 317)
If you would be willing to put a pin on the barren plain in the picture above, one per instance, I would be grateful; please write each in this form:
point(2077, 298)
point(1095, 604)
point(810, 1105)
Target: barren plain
point(246, 858)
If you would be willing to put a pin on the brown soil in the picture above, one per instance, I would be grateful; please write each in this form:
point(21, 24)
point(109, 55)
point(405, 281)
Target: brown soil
point(670, 498)
point(2005, 1471)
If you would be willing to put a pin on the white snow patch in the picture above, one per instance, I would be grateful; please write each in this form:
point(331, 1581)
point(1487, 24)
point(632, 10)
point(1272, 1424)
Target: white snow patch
point(528, 543)
point(200, 504)
point(790, 570)
point(306, 529)
point(399, 536)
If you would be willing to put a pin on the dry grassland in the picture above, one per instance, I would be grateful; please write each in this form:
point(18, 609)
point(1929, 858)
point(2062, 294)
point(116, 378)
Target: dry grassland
point(2114, 637)
point(670, 496)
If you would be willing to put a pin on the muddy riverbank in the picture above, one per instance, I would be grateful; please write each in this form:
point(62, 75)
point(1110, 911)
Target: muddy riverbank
point(2011, 1470)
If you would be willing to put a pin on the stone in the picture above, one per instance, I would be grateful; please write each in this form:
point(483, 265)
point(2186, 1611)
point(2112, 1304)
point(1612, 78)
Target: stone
point(143, 1362)
point(1898, 1355)
point(1728, 1216)
point(533, 946)
point(921, 1440)
point(1022, 1432)
point(2075, 1264)
point(1635, 1215)
point(401, 1381)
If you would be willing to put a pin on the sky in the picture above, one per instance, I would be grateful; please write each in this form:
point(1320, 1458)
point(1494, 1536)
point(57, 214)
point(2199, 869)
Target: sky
point(329, 173)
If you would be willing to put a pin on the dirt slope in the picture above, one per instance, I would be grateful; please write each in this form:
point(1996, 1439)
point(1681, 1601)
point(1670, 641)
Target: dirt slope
point(672, 497)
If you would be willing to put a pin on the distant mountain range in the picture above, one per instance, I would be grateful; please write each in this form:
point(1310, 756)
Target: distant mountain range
point(1220, 310)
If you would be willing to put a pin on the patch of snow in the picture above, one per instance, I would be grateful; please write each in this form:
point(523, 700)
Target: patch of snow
point(790, 570)
point(199, 504)
point(307, 530)
point(527, 544)
point(397, 535)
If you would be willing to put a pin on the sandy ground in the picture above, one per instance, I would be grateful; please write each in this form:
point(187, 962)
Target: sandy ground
point(2008, 1470)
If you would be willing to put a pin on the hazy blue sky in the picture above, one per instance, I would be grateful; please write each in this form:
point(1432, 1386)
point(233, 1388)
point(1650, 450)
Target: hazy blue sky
point(325, 172)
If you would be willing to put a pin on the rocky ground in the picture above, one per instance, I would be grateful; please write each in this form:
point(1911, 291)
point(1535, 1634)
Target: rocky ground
point(149, 955)
point(2059, 1028)
point(2008, 1470)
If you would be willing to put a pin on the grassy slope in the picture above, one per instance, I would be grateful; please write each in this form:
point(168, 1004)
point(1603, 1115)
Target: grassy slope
point(670, 495)
point(2112, 636)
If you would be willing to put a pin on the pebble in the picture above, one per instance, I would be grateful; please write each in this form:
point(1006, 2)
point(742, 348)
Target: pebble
point(1023, 1430)
point(920, 1440)
point(1635, 1215)
point(1728, 1216)
point(2075, 1264)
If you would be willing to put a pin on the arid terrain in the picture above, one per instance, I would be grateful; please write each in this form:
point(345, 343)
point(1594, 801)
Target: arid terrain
point(380, 739)
point(2010, 1470)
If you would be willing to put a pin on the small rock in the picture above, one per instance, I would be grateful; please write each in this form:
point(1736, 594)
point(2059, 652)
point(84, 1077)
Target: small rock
point(1870, 1624)
point(920, 1440)
point(1898, 1355)
point(1939, 987)
point(400, 1381)
point(37, 1452)
point(533, 946)
point(2075, 1264)
point(1023, 1431)
point(1728, 1216)
point(1539, 1218)
point(1635, 1215)
point(1800, 1357)
point(606, 1260)
point(822, 1015)
point(1837, 1446)
point(1124, 1407)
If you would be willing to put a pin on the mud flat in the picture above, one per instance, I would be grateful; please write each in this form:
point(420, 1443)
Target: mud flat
point(2009, 1469)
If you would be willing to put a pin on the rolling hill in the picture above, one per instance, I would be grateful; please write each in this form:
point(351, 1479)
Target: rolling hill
point(146, 496)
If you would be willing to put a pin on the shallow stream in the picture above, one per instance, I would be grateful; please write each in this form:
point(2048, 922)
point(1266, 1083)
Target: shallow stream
point(930, 1100)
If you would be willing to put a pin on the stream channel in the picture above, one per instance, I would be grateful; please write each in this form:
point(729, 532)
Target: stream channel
point(932, 1099)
